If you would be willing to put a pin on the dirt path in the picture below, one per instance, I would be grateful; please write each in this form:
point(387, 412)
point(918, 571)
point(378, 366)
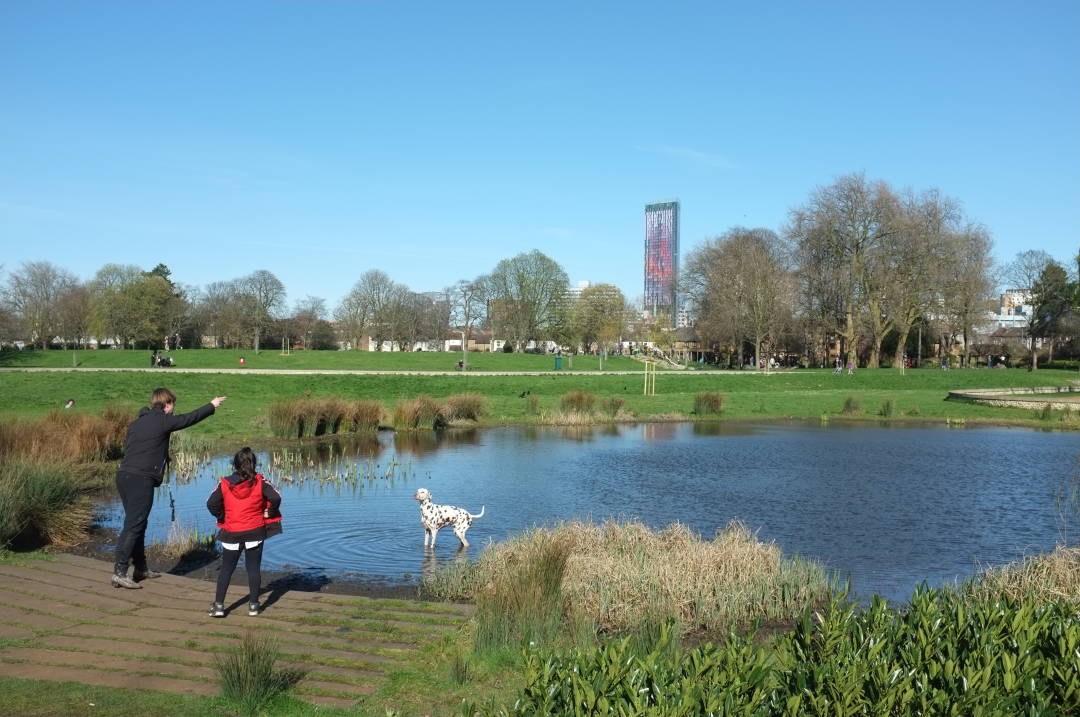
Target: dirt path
point(61, 620)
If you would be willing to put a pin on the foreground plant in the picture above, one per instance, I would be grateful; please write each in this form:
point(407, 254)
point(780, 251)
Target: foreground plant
point(248, 674)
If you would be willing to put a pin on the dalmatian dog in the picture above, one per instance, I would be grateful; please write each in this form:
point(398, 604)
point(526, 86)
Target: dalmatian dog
point(434, 517)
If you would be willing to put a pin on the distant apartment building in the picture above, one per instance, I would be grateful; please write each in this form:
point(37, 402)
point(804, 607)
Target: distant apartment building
point(661, 258)
point(1014, 309)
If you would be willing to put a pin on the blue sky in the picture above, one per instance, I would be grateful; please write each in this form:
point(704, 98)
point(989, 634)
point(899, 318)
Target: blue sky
point(322, 139)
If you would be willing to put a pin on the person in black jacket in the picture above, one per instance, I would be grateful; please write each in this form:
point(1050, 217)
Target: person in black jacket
point(146, 453)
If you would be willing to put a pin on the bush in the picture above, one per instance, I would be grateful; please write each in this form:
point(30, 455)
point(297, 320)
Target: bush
point(1045, 413)
point(942, 654)
point(66, 437)
point(532, 405)
point(852, 407)
point(611, 405)
point(365, 415)
point(468, 406)
point(708, 403)
point(422, 411)
point(578, 401)
point(888, 408)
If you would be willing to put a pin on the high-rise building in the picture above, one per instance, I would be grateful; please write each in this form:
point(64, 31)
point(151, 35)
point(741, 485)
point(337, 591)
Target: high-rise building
point(661, 258)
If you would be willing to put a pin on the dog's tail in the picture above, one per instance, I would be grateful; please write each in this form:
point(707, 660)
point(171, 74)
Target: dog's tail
point(478, 515)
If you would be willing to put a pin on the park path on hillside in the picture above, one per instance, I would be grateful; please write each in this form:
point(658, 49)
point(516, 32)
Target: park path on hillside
point(61, 620)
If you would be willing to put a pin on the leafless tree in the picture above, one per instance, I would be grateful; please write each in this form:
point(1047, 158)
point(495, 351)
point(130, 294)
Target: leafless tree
point(73, 311)
point(265, 295)
point(468, 304)
point(1024, 272)
point(33, 293)
point(306, 315)
point(969, 281)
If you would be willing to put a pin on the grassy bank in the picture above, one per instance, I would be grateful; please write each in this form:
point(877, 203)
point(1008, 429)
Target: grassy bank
point(881, 394)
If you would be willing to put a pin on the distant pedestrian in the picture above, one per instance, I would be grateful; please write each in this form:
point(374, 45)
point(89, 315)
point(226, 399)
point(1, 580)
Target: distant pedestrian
point(146, 454)
point(248, 512)
point(850, 367)
point(70, 403)
point(839, 366)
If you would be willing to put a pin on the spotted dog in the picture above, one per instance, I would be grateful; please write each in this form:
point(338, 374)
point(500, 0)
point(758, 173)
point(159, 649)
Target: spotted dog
point(434, 517)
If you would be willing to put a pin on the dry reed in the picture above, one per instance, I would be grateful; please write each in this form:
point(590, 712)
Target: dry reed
point(65, 437)
point(466, 406)
point(1046, 577)
point(578, 401)
point(622, 575)
point(422, 411)
point(708, 403)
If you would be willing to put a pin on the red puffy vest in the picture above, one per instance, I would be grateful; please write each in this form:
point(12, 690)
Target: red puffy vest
point(244, 505)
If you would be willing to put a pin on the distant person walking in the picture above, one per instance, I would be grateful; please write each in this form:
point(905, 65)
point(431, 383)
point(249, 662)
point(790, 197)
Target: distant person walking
point(839, 366)
point(146, 454)
point(248, 512)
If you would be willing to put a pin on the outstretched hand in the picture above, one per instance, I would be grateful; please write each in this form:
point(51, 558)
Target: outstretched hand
point(217, 401)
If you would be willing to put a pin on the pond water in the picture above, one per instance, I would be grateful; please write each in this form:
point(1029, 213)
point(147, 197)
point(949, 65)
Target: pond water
point(886, 507)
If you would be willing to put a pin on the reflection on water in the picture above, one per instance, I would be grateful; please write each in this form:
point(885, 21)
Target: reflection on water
point(887, 506)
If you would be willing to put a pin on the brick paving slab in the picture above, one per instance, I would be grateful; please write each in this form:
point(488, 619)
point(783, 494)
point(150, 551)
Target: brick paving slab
point(131, 638)
point(43, 656)
point(31, 620)
point(90, 676)
point(14, 632)
point(123, 647)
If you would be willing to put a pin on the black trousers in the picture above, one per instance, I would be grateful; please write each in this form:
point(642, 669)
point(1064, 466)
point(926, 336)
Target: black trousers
point(137, 496)
point(253, 565)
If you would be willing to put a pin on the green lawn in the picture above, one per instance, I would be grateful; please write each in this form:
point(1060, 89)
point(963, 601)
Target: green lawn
point(919, 394)
point(322, 360)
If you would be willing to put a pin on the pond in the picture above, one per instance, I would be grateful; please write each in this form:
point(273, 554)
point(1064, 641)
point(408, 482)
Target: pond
point(885, 506)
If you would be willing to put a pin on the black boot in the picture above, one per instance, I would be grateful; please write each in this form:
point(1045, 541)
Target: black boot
point(140, 574)
point(121, 580)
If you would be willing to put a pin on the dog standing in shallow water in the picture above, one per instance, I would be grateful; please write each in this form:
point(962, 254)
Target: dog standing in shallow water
point(434, 517)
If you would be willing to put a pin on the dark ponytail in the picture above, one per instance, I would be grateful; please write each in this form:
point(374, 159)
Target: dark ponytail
point(244, 463)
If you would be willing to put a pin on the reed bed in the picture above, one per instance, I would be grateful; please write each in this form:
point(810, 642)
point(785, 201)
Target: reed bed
point(300, 417)
point(578, 402)
point(1048, 577)
point(183, 541)
point(423, 411)
point(620, 576)
point(708, 403)
point(852, 406)
point(612, 406)
point(66, 436)
point(466, 406)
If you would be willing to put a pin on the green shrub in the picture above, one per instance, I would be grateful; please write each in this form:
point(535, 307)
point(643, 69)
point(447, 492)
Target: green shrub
point(248, 675)
point(1045, 413)
point(611, 405)
point(708, 403)
point(467, 406)
point(888, 408)
point(852, 407)
point(578, 401)
point(943, 654)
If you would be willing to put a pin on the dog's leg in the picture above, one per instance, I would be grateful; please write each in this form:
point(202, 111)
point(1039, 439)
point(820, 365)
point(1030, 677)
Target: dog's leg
point(460, 533)
point(427, 536)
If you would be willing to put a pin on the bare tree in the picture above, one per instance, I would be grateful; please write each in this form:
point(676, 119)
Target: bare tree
point(73, 312)
point(969, 282)
point(306, 315)
point(841, 225)
point(525, 294)
point(468, 305)
point(33, 293)
point(1024, 272)
point(265, 295)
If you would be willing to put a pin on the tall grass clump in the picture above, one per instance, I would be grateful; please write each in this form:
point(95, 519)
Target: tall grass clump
point(466, 406)
point(42, 503)
point(852, 406)
point(1045, 413)
point(621, 576)
point(1048, 577)
point(526, 603)
point(578, 401)
point(532, 405)
point(420, 412)
point(365, 415)
point(299, 417)
point(612, 405)
point(888, 408)
point(249, 676)
point(66, 437)
point(708, 403)
point(185, 541)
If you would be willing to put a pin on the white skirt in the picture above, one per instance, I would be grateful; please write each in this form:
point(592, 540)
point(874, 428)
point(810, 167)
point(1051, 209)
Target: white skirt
point(236, 546)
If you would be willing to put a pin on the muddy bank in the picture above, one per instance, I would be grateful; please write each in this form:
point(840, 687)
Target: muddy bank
point(100, 543)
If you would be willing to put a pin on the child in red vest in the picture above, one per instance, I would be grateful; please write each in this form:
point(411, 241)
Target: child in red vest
point(247, 512)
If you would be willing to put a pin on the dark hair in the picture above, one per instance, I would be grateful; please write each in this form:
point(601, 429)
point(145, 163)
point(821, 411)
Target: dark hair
point(244, 463)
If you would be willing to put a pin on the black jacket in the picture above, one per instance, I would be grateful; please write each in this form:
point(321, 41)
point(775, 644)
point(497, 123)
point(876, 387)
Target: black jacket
point(216, 505)
point(146, 447)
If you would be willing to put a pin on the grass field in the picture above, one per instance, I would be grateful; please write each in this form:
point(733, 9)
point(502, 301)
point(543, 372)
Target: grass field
point(316, 360)
point(916, 395)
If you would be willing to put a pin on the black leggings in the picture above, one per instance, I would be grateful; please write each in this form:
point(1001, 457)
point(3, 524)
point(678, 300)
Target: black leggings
point(252, 563)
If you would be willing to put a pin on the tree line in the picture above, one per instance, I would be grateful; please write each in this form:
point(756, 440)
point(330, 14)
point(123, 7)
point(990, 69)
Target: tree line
point(860, 270)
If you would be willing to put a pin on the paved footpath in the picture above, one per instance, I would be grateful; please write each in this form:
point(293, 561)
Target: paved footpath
point(61, 620)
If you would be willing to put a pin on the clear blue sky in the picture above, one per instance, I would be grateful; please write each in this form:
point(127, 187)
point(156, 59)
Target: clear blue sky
point(430, 140)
